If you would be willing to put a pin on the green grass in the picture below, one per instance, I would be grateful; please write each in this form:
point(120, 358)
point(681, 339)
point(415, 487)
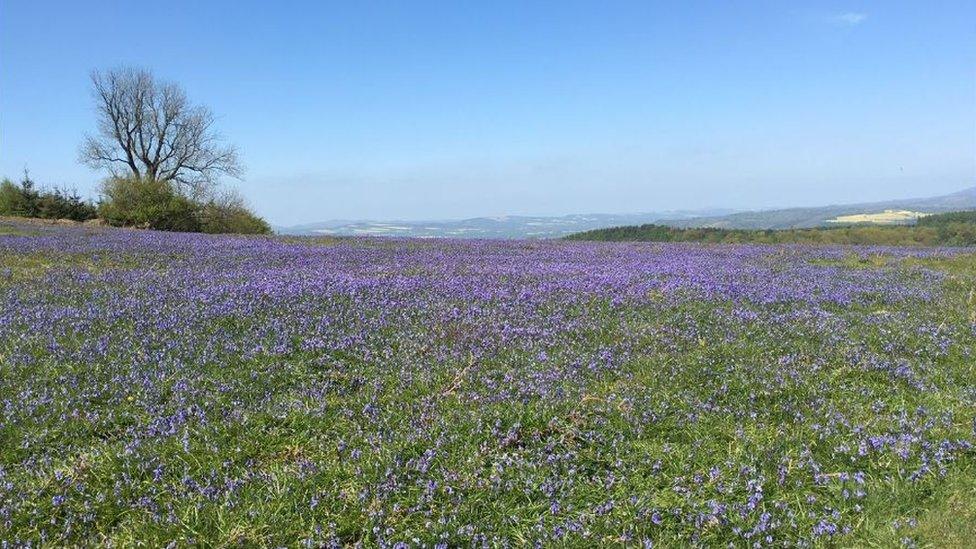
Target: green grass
point(11, 230)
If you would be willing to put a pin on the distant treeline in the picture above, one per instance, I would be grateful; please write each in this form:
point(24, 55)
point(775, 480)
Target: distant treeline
point(944, 219)
point(948, 229)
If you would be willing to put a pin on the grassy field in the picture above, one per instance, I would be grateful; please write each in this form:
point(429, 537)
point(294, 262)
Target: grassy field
point(230, 391)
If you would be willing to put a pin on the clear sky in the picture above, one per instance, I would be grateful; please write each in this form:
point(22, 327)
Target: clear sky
point(413, 110)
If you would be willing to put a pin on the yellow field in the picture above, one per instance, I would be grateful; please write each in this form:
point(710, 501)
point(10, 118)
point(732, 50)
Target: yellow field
point(885, 217)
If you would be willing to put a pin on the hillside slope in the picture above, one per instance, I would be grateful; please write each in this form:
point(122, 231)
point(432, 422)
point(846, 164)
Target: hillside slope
point(798, 218)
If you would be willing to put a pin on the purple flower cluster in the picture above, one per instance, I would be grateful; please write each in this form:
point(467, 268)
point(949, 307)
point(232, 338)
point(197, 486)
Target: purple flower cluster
point(401, 393)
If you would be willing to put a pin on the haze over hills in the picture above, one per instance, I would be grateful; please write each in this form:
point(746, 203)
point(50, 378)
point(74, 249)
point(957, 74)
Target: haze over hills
point(509, 226)
point(559, 226)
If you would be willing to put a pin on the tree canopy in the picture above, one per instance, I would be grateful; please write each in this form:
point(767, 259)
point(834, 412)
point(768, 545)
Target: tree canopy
point(148, 129)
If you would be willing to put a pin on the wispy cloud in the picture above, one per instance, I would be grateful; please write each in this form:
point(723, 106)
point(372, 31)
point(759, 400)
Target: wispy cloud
point(851, 18)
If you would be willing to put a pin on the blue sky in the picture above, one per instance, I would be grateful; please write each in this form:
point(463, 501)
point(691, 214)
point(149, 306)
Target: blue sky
point(415, 110)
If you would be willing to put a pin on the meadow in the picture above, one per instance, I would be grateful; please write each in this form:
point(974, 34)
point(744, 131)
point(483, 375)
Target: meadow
point(189, 389)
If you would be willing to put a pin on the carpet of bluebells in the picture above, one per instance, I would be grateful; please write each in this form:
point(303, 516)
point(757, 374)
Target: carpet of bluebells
point(229, 391)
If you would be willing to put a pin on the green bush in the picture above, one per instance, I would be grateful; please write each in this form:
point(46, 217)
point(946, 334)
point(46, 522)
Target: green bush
point(25, 200)
point(65, 204)
point(132, 202)
point(11, 201)
point(231, 217)
point(19, 200)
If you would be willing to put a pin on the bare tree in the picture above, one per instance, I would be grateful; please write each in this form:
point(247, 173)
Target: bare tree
point(148, 129)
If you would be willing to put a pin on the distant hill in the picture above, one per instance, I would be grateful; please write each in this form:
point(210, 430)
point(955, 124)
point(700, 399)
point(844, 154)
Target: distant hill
point(512, 226)
point(515, 226)
point(944, 229)
point(798, 218)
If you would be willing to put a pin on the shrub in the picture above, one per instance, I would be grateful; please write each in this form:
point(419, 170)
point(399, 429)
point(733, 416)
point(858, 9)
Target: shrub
point(19, 200)
point(9, 198)
point(65, 204)
point(228, 213)
point(133, 202)
point(25, 200)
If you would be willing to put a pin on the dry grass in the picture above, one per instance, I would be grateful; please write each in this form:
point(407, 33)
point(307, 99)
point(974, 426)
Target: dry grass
point(886, 217)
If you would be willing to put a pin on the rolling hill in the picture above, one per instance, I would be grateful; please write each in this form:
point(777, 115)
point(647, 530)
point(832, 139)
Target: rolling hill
point(801, 218)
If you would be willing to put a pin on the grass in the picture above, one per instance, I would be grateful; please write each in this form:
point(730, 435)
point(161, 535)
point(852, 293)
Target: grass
point(9, 230)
